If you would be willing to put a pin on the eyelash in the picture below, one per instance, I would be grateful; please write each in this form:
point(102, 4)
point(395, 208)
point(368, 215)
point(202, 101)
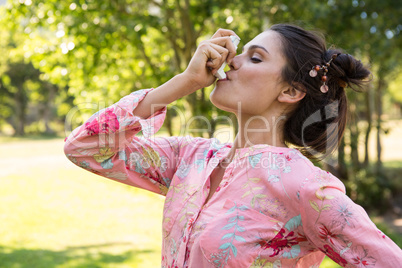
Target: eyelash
point(254, 59)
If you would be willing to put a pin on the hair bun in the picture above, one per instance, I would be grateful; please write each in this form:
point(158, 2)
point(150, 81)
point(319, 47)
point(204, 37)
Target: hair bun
point(347, 70)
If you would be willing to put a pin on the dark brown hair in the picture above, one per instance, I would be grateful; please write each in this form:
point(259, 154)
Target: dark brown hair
point(318, 122)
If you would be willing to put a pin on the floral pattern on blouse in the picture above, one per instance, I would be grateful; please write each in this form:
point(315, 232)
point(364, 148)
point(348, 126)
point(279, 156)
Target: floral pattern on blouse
point(273, 207)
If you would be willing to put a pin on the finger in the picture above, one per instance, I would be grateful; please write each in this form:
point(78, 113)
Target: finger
point(223, 33)
point(215, 57)
point(222, 51)
point(228, 44)
point(209, 52)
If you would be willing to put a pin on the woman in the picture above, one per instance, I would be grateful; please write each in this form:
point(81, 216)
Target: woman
point(255, 202)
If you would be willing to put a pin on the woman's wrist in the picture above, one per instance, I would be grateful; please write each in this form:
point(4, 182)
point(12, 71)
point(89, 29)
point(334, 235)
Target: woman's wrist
point(187, 82)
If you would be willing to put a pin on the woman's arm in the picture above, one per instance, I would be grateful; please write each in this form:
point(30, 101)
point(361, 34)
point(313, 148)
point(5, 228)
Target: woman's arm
point(342, 229)
point(106, 144)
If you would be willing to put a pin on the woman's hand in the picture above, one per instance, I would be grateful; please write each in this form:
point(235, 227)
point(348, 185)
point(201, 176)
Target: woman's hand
point(206, 61)
point(209, 57)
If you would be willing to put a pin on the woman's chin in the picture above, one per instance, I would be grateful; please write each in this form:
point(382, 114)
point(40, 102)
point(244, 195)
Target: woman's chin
point(221, 102)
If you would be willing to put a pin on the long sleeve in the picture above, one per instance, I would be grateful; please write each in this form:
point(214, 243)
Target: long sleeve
point(106, 145)
point(340, 228)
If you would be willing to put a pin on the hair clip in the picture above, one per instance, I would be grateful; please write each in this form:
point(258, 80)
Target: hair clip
point(314, 71)
point(342, 83)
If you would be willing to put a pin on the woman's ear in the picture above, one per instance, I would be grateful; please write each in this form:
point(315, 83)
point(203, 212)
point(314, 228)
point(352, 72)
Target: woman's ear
point(291, 94)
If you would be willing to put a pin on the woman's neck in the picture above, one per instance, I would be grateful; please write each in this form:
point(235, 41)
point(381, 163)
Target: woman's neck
point(259, 130)
point(255, 130)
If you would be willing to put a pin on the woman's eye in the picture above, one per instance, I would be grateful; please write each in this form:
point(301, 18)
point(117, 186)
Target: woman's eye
point(254, 59)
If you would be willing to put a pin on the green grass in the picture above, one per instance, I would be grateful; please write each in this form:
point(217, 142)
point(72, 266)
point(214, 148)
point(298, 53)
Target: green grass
point(64, 218)
point(54, 214)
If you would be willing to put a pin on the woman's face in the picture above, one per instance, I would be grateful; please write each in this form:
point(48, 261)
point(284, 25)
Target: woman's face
point(254, 80)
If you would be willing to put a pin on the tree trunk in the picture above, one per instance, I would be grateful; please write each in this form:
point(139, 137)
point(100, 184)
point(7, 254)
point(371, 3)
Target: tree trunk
point(380, 87)
point(182, 36)
point(354, 134)
point(47, 112)
point(369, 111)
point(354, 151)
point(20, 105)
point(168, 123)
point(342, 168)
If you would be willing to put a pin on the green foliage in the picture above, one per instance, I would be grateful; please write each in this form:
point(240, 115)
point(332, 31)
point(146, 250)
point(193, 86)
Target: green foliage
point(99, 51)
point(395, 87)
point(370, 190)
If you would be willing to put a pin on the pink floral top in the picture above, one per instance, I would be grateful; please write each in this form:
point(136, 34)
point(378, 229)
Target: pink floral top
point(273, 208)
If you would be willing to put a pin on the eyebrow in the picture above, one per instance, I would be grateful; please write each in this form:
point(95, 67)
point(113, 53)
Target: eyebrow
point(255, 47)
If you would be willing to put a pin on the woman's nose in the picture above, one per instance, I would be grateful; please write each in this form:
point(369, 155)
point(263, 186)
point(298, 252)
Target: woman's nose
point(235, 63)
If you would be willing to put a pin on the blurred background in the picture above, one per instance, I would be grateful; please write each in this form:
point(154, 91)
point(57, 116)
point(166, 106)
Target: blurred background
point(61, 61)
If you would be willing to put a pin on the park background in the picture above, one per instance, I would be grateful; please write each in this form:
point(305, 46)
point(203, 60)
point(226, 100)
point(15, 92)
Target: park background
point(61, 61)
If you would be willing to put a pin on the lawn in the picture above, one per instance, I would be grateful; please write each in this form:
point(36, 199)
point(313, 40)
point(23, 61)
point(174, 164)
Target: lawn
point(54, 214)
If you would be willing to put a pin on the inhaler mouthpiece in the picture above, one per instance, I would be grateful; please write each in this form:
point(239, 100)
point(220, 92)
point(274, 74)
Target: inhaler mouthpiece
point(220, 74)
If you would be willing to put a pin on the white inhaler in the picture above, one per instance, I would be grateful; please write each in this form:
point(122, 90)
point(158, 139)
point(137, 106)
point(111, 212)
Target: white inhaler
point(220, 74)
